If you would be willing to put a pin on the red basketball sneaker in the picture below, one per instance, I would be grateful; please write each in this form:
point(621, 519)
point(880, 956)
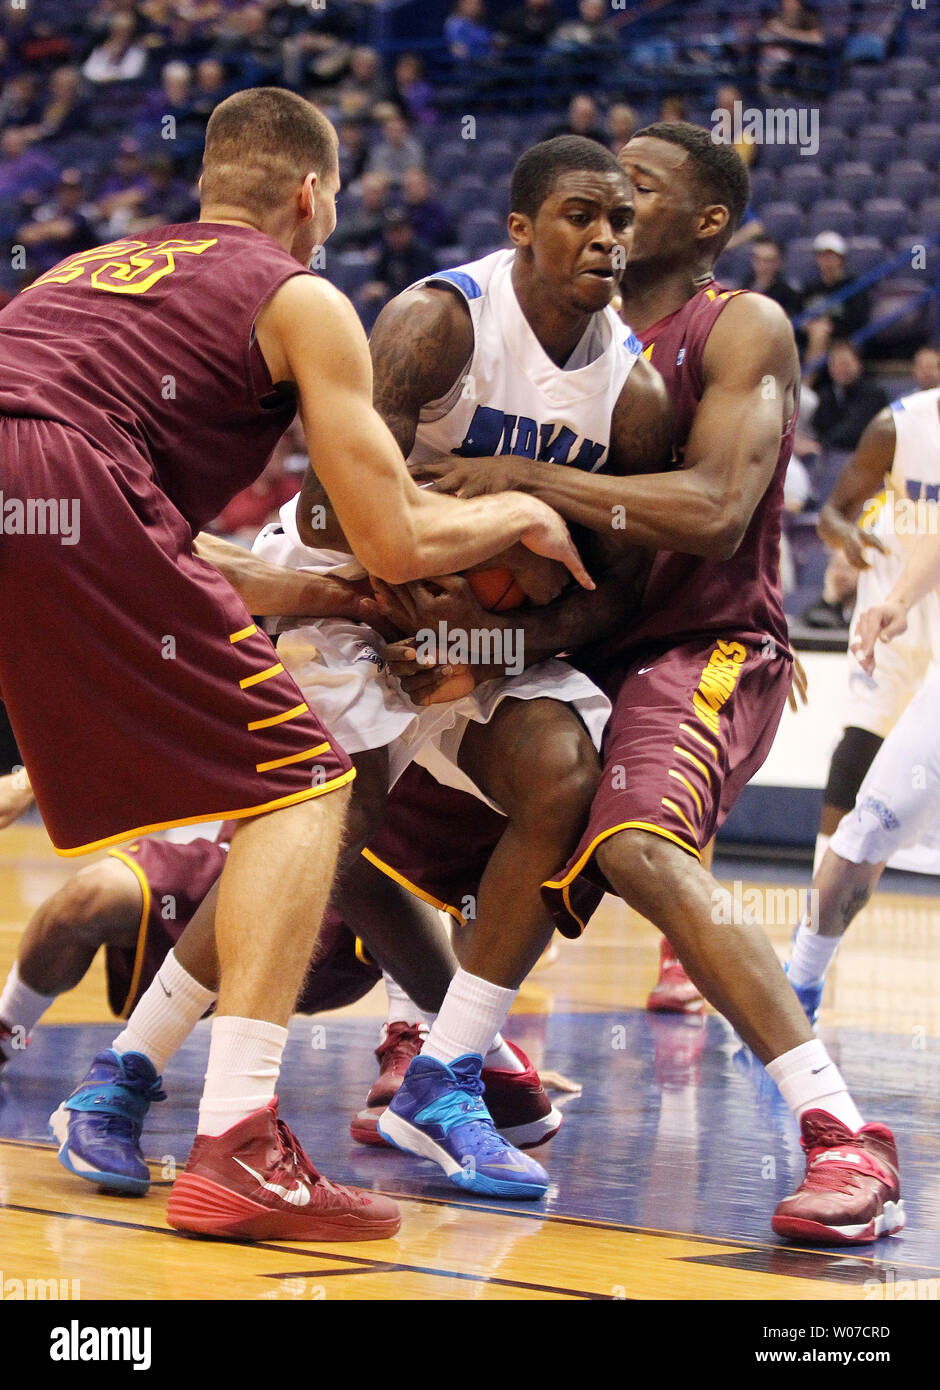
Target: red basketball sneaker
point(851, 1193)
point(521, 1111)
point(254, 1182)
point(674, 992)
point(402, 1042)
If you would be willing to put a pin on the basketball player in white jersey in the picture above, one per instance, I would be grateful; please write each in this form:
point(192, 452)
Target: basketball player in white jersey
point(898, 803)
point(516, 353)
point(885, 497)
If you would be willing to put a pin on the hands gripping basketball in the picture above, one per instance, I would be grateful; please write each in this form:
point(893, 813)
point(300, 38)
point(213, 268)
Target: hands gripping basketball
point(548, 536)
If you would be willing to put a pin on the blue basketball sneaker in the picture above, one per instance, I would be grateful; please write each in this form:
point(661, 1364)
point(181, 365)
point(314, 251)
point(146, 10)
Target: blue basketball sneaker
point(98, 1127)
point(438, 1113)
point(810, 997)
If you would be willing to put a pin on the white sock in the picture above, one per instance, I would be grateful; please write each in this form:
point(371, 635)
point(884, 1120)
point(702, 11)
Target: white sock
point(244, 1064)
point(822, 844)
point(811, 956)
point(21, 1008)
point(501, 1056)
point(810, 1080)
point(401, 1008)
point(472, 1013)
point(166, 1014)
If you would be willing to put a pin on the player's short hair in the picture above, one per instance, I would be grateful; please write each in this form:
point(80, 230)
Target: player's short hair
point(538, 168)
point(260, 143)
point(719, 170)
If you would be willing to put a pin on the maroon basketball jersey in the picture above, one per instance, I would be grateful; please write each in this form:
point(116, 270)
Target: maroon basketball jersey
point(146, 347)
point(692, 594)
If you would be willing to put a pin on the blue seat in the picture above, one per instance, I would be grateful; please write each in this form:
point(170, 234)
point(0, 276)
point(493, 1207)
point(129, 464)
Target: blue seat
point(854, 180)
point(800, 260)
point(877, 143)
point(782, 220)
point(495, 157)
point(924, 139)
point(804, 182)
point(909, 180)
point(832, 215)
point(864, 253)
point(886, 218)
point(763, 187)
point(899, 107)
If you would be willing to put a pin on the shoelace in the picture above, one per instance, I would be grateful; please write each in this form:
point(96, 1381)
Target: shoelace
point(399, 1049)
point(831, 1177)
point(299, 1164)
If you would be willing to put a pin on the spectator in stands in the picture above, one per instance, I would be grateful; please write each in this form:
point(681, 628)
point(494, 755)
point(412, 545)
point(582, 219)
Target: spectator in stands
point(121, 58)
point(726, 98)
point(172, 98)
point(20, 103)
point(245, 46)
point(530, 24)
point(397, 150)
point(402, 260)
point(60, 227)
point(165, 198)
point(672, 108)
point(767, 277)
point(353, 151)
point(210, 88)
point(592, 30)
point(122, 191)
point(925, 368)
point(22, 168)
point(66, 108)
point(784, 37)
point(414, 94)
point(584, 119)
point(622, 121)
point(360, 229)
point(364, 86)
point(847, 400)
point(466, 32)
point(842, 319)
point(428, 217)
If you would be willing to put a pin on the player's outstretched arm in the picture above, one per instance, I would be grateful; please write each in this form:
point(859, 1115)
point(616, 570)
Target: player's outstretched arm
point(309, 334)
point(920, 575)
point(269, 590)
point(860, 480)
point(704, 508)
point(420, 345)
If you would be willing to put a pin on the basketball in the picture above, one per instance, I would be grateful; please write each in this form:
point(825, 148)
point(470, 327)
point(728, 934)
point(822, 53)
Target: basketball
point(496, 589)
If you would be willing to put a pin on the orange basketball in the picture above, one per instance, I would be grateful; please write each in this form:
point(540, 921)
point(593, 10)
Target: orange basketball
point(496, 589)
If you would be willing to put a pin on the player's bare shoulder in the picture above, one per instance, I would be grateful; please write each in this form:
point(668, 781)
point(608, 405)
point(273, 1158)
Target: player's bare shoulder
point(751, 336)
point(421, 344)
point(306, 315)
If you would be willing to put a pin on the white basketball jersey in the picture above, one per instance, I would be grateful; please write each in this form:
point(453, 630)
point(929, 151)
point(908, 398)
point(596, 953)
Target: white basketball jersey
point(913, 483)
point(512, 398)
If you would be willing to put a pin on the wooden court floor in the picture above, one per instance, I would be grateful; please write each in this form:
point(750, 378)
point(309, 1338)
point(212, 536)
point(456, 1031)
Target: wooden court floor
point(673, 1153)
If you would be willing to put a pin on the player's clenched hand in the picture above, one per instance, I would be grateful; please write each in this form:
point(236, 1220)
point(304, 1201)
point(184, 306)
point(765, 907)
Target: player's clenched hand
point(881, 623)
point(15, 797)
point(852, 540)
point(548, 535)
point(423, 680)
point(799, 685)
point(427, 602)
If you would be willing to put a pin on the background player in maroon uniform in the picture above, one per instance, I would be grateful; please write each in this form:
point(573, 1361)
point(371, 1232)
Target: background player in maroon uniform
point(143, 385)
point(702, 674)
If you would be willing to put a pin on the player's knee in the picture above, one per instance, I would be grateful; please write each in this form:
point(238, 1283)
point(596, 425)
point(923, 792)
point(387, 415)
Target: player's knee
point(633, 860)
point(87, 905)
point(554, 787)
point(851, 760)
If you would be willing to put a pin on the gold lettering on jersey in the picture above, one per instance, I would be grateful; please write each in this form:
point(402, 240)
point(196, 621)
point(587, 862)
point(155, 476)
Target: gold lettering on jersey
point(124, 267)
point(648, 352)
point(719, 677)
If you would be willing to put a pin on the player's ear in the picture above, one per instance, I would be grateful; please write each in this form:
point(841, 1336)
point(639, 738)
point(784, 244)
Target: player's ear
point(308, 197)
point(712, 221)
point(520, 229)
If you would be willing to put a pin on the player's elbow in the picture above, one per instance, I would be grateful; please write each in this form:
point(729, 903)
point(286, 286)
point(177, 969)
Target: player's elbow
point(725, 534)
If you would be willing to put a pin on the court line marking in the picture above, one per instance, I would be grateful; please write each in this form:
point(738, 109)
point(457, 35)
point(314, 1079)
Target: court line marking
point(360, 1264)
point(824, 1253)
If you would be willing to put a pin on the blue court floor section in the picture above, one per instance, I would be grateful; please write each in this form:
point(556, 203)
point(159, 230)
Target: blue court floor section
point(677, 1128)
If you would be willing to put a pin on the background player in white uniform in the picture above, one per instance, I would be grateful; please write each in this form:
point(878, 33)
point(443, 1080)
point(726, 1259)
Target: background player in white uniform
point(898, 803)
point(887, 489)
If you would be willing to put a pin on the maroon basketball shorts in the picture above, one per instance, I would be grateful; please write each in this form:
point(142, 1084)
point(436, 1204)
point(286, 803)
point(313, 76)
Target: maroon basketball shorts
point(140, 692)
point(173, 880)
point(689, 728)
